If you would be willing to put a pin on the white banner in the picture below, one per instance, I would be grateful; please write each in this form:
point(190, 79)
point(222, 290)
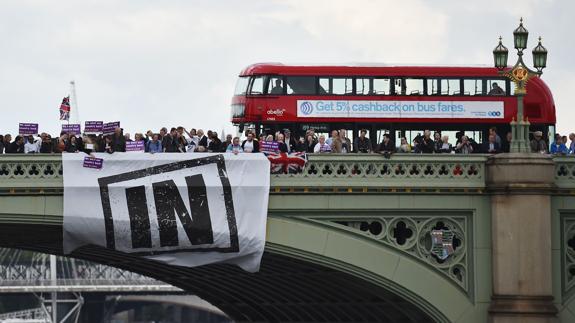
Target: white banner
point(399, 109)
point(181, 209)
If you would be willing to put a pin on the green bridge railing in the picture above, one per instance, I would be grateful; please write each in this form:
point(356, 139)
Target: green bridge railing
point(322, 172)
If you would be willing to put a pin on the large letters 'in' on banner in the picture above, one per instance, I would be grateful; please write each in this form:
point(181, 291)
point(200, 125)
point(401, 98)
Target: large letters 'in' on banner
point(180, 209)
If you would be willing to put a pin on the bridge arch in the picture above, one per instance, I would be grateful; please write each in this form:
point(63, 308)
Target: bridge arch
point(320, 274)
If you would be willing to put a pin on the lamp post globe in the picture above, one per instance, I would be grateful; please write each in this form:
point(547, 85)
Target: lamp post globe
point(520, 36)
point(500, 55)
point(539, 57)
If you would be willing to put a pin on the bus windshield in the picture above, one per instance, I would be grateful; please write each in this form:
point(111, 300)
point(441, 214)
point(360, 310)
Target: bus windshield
point(241, 85)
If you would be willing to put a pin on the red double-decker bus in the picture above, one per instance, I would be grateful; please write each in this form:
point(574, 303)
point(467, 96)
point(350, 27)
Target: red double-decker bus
point(400, 100)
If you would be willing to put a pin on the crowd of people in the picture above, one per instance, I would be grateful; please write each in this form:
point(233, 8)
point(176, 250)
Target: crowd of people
point(180, 140)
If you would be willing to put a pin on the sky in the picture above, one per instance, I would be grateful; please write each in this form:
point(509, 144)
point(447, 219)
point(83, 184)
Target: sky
point(151, 63)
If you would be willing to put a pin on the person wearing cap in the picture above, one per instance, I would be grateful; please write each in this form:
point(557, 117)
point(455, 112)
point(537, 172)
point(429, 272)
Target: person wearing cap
point(538, 145)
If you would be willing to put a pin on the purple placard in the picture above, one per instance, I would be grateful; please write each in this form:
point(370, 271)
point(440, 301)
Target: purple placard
point(28, 128)
point(269, 147)
point(93, 162)
point(108, 128)
point(135, 145)
point(93, 127)
point(72, 129)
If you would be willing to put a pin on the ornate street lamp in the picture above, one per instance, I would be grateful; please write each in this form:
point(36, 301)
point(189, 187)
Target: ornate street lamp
point(520, 74)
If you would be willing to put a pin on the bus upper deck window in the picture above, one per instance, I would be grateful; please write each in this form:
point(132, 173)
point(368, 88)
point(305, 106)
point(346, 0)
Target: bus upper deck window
point(342, 86)
point(275, 85)
point(414, 86)
point(432, 87)
point(363, 86)
point(496, 87)
point(324, 85)
point(450, 87)
point(300, 84)
point(257, 85)
point(242, 85)
point(472, 87)
point(381, 86)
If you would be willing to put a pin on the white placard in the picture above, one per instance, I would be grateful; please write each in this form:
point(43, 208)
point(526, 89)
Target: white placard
point(180, 209)
point(400, 109)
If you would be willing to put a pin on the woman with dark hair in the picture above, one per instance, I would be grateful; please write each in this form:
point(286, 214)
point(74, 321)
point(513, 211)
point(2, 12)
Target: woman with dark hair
point(309, 143)
point(72, 146)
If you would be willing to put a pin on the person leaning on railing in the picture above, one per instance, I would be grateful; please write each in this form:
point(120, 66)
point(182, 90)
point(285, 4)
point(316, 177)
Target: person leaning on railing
point(322, 146)
point(538, 144)
point(362, 144)
point(558, 147)
point(465, 146)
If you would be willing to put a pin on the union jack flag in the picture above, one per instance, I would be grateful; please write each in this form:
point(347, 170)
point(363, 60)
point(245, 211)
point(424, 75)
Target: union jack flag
point(284, 163)
point(65, 109)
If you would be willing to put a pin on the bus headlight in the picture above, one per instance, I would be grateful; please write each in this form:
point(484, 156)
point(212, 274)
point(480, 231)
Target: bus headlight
point(238, 110)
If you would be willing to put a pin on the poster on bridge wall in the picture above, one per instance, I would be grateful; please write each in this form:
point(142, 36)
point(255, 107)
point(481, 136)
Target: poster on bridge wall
point(180, 209)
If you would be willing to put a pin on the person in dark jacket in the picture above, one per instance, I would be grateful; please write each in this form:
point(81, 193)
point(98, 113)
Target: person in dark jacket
point(118, 140)
point(1, 144)
point(283, 148)
point(426, 146)
point(168, 141)
point(250, 145)
point(491, 146)
point(215, 144)
point(386, 147)
point(289, 140)
point(445, 147)
point(72, 146)
point(362, 144)
point(47, 144)
point(309, 143)
point(506, 144)
point(17, 146)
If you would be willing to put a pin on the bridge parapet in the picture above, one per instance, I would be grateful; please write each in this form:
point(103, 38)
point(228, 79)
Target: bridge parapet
point(350, 171)
point(565, 172)
point(19, 172)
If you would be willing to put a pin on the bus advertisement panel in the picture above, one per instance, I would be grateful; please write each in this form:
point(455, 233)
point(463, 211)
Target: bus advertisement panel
point(399, 109)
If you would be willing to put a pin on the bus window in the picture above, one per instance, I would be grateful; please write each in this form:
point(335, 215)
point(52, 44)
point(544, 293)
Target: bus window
point(472, 87)
point(432, 87)
point(513, 88)
point(450, 87)
point(381, 86)
point(242, 85)
point(496, 87)
point(300, 84)
point(363, 86)
point(275, 85)
point(257, 85)
point(342, 86)
point(324, 85)
point(414, 86)
point(398, 87)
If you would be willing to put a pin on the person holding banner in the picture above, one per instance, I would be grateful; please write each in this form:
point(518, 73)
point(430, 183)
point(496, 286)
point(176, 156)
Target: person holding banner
point(322, 146)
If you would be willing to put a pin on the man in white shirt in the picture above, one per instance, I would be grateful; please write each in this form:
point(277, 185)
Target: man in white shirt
point(31, 146)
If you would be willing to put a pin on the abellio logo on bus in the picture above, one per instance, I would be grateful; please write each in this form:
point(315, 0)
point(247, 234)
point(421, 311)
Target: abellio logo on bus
point(306, 108)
